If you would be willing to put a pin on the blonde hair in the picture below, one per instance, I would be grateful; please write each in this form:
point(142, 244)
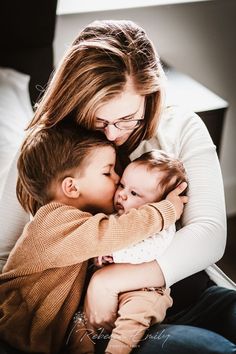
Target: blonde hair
point(95, 69)
point(172, 168)
point(48, 156)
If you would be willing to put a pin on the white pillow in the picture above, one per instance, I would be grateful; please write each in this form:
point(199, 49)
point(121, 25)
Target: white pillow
point(15, 114)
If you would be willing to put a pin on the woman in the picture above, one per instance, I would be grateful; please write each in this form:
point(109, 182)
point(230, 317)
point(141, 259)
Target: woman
point(111, 80)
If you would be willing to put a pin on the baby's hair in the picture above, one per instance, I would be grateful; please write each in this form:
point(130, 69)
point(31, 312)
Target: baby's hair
point(48, 156)
point(173, 169)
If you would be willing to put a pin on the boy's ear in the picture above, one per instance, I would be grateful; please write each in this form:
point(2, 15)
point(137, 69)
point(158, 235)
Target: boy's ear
point(70, 187)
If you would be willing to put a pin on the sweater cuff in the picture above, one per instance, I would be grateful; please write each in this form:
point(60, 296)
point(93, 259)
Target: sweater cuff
point(167, 211)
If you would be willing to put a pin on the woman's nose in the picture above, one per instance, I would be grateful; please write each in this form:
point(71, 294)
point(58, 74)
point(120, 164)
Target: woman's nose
point(111, 132)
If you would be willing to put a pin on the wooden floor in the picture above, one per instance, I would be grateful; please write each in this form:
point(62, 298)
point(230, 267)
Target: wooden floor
point(228, 262)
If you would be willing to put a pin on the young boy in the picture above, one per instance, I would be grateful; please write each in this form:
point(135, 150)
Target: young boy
point(147, 179)
point(65, 178)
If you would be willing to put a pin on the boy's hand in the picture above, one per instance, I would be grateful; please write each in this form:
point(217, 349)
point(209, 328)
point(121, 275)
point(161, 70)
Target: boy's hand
point(177, 200)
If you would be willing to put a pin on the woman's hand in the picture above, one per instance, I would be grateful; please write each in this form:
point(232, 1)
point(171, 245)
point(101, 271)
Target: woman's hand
point(101, 301)
point(177, 200)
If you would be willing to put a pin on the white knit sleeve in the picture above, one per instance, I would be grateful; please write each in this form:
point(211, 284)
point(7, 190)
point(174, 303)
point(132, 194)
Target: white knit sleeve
point(12, 216)
point(201, 240)
point(15, 114)
point(146, 250)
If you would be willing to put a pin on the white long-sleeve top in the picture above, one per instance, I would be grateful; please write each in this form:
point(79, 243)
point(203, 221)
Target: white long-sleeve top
point(201, 240)
point(146, 250)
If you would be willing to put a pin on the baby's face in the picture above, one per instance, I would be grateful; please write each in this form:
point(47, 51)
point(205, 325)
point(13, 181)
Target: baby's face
point(137, 186)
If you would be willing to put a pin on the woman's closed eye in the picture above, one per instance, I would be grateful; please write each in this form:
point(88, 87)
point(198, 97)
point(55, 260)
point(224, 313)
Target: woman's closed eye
point(127, 118)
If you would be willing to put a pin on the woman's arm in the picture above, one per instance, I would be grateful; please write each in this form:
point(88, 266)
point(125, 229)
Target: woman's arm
point(201, 240)
point(12, 216)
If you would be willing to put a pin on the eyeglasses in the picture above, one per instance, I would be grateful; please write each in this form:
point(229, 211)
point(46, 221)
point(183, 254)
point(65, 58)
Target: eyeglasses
point(120, 124)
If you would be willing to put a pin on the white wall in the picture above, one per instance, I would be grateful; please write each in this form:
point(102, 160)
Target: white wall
point(197, 39)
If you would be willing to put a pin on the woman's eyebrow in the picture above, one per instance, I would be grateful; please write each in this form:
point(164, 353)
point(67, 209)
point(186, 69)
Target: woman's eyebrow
point(129, 115)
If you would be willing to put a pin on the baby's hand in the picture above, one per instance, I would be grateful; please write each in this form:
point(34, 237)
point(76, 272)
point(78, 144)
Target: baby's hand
point(103, 260)
point(177, 200)
point(107, 259)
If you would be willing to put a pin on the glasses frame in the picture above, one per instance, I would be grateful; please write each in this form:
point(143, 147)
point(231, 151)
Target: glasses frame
point(138, 123)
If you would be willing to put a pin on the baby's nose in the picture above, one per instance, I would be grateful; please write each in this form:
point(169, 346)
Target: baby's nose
point(123, 195)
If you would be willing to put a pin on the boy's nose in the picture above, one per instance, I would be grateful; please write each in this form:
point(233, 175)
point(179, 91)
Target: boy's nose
point(116, 178)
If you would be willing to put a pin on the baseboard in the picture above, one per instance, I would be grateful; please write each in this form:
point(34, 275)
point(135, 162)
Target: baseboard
point(230, 196)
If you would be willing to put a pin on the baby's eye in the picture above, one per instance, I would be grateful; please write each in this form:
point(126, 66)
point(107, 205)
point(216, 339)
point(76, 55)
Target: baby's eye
point(107, 174)
point(134, 194)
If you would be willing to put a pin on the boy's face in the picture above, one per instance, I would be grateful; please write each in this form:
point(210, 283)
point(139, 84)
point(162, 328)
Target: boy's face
point(137, 186)
point(98, 182)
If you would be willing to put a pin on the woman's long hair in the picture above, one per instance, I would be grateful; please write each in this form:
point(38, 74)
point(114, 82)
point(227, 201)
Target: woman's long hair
point(95, 69)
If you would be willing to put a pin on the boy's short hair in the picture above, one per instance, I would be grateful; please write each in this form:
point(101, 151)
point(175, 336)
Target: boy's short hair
point(173, 169)
point(47, 156)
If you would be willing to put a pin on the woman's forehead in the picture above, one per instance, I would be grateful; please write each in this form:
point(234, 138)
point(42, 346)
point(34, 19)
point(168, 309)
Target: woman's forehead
point(121, 106)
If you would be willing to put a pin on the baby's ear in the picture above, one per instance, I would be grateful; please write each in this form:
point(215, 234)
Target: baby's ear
point(70, 187)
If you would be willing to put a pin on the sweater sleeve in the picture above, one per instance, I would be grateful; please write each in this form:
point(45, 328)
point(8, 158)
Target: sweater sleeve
point(67, 236)
point(201, 240)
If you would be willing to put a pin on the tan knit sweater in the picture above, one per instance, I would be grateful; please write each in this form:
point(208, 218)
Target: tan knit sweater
point(42, 281)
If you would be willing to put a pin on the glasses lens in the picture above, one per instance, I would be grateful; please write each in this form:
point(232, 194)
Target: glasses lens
point(127, 124)
point(100, 125)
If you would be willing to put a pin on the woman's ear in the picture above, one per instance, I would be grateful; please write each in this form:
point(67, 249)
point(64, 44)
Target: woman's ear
point(70, 187)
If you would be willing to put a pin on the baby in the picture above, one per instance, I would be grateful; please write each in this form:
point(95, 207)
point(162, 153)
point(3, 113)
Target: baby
point(147, 179)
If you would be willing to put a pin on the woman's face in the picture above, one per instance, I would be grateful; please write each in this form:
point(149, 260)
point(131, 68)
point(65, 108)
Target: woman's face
point(125, 107)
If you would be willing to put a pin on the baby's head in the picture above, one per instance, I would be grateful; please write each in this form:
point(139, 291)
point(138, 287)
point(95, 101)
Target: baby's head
point(68, 165)
point(148, 179)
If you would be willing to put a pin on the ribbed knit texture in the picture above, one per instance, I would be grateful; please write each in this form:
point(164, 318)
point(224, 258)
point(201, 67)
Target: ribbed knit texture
point(201, 240)
point(42, 281)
